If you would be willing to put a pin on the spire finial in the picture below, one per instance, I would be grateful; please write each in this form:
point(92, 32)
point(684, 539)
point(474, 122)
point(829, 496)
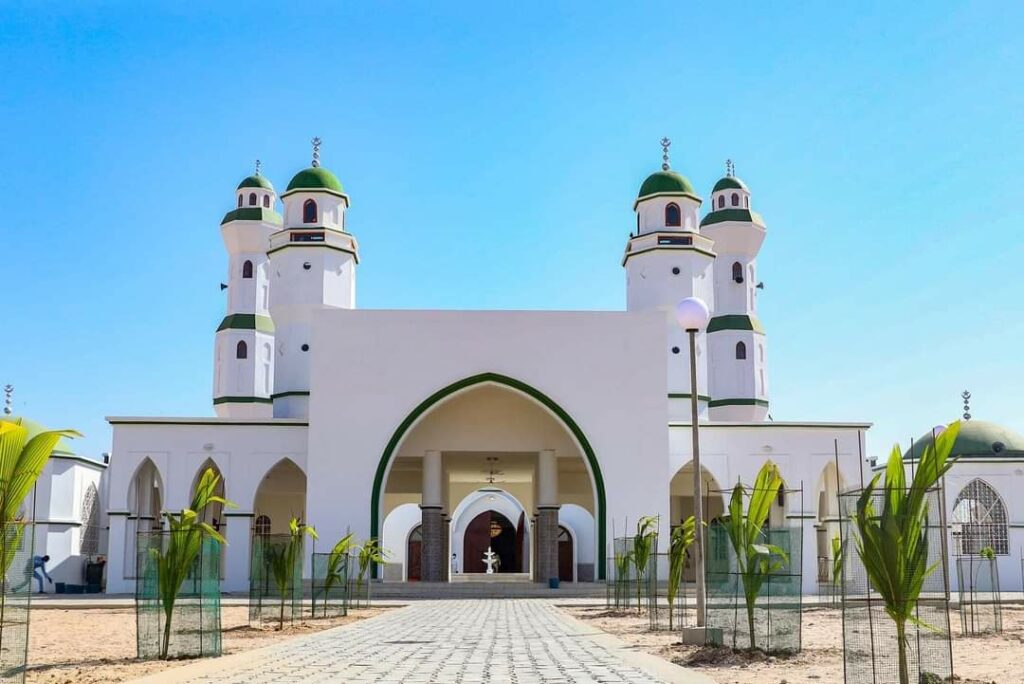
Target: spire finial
point(8, 401)
point(966, 396)
point(316, 152)
point(259, 166)
point(730, 168)
point(665, 144)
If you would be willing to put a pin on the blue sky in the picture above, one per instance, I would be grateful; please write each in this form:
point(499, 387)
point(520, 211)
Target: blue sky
point(492, 152)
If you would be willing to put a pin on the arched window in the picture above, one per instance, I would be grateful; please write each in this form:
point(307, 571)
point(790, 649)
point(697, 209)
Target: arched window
point(721, 201)
point(979, 520)
point(266, 201)
point(262, 525)
point(673, 217)
point(239, 200)
point(746, 202)
point(737, 272)
point(242, 350)
point(247, 269)
point(735, 199)
point(90, 522)
point(252, 199)
point(741, 351)
point(309, 211)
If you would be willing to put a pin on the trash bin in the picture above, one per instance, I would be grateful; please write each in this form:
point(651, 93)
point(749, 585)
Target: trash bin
point(553, 582)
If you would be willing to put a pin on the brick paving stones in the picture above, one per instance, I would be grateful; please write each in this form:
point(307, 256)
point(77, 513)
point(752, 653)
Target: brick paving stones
point(512, 641)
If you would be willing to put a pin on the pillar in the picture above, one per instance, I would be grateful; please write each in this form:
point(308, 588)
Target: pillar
point(117, 535)
point(432, 516)
point(546, 561)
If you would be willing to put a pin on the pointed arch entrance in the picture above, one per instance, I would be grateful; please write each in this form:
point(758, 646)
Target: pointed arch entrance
point(589, 466)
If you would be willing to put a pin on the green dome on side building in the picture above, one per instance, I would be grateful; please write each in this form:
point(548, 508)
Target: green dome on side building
point(665, 182)
point(256, 181)
point(977, 439)
point(61, 449)
point(730, 183)
point(315, 178)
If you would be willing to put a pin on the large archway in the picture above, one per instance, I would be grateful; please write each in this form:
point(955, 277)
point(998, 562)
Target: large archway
point(280, 497)
point(712, 506)
point(485, 430)
point(145, 504)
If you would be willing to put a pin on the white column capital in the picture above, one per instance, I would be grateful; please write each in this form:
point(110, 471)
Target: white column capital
point(432, 487)
point(547, 478)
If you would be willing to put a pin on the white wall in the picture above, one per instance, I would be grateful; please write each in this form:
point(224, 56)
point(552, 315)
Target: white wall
point(734, 452)
point(244, 451)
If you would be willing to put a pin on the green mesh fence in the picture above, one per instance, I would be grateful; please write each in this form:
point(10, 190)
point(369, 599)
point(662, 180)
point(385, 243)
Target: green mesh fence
point(978, 590)
point(669, 607)
point(329, 586)
point(772, 621)
point(18, 585)
point(626, 587)
point(194, 629)
point(871, 647)
point(275, 590)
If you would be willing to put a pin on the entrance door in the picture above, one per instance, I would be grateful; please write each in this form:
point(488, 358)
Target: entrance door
point(490, 529)
point(414, 555)
point(565, 555)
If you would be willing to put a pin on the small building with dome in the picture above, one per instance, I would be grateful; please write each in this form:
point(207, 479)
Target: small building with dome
point(67, 505)
point(541, 435)
point(984, 509)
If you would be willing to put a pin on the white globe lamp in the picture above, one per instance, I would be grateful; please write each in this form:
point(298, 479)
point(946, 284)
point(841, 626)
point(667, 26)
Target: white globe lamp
point(692, 314)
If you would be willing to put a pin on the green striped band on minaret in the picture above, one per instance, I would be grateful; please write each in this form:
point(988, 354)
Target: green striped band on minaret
point(244, 321)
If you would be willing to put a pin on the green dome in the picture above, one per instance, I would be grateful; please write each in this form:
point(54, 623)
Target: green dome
point(34, 428)
point(256, 182)
point(978, 439)
point(315, 178)
point(730, 183)
point(665, 182)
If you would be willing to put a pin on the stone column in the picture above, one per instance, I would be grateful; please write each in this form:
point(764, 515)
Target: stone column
point(546, 561)
point(547, 543)
point(433, 549)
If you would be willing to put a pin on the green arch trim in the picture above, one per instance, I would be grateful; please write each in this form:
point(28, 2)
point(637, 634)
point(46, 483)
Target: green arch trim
point(544, 400)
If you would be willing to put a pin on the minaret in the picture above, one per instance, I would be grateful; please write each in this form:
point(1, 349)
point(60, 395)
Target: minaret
point(244, 349)
point(312, 265)
point(739, 374)
point(667, 259)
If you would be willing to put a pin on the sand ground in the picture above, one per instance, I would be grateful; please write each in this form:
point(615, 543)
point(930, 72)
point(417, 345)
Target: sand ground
point(94, 646)
point(997, 658)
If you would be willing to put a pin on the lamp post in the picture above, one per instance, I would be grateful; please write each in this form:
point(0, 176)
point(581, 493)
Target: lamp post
point(692, 315)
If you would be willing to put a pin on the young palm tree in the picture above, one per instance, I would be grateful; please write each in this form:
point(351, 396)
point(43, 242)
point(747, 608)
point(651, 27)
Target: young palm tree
point(682, 538)
point(336, 562)
point(284, 559)
point(21, 463)
point(893, 543)
point(623, 562)
point(184, 542)
point(838, 558)
point(755, 559)
point(643, 545)
point(370, 552)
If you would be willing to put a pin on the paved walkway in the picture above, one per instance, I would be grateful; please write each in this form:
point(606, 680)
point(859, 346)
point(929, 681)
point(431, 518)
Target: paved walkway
point(451, 642)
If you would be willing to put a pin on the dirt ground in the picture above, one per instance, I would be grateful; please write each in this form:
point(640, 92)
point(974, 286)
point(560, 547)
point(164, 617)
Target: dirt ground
point(994, 658)
point(94, 646)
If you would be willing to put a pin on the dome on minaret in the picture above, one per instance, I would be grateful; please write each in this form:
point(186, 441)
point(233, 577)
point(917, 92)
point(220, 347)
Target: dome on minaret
point(315, 178)
point(661, 182)
point(256, 181)
point(730, 183)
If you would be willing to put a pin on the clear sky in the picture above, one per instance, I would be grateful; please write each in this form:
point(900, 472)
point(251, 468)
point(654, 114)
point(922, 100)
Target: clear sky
point(492, 152)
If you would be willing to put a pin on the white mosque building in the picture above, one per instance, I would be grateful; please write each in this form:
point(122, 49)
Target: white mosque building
point(541, 434)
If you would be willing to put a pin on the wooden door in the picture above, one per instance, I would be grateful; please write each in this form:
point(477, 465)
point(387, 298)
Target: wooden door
point(415, 555)
point(565, 555)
